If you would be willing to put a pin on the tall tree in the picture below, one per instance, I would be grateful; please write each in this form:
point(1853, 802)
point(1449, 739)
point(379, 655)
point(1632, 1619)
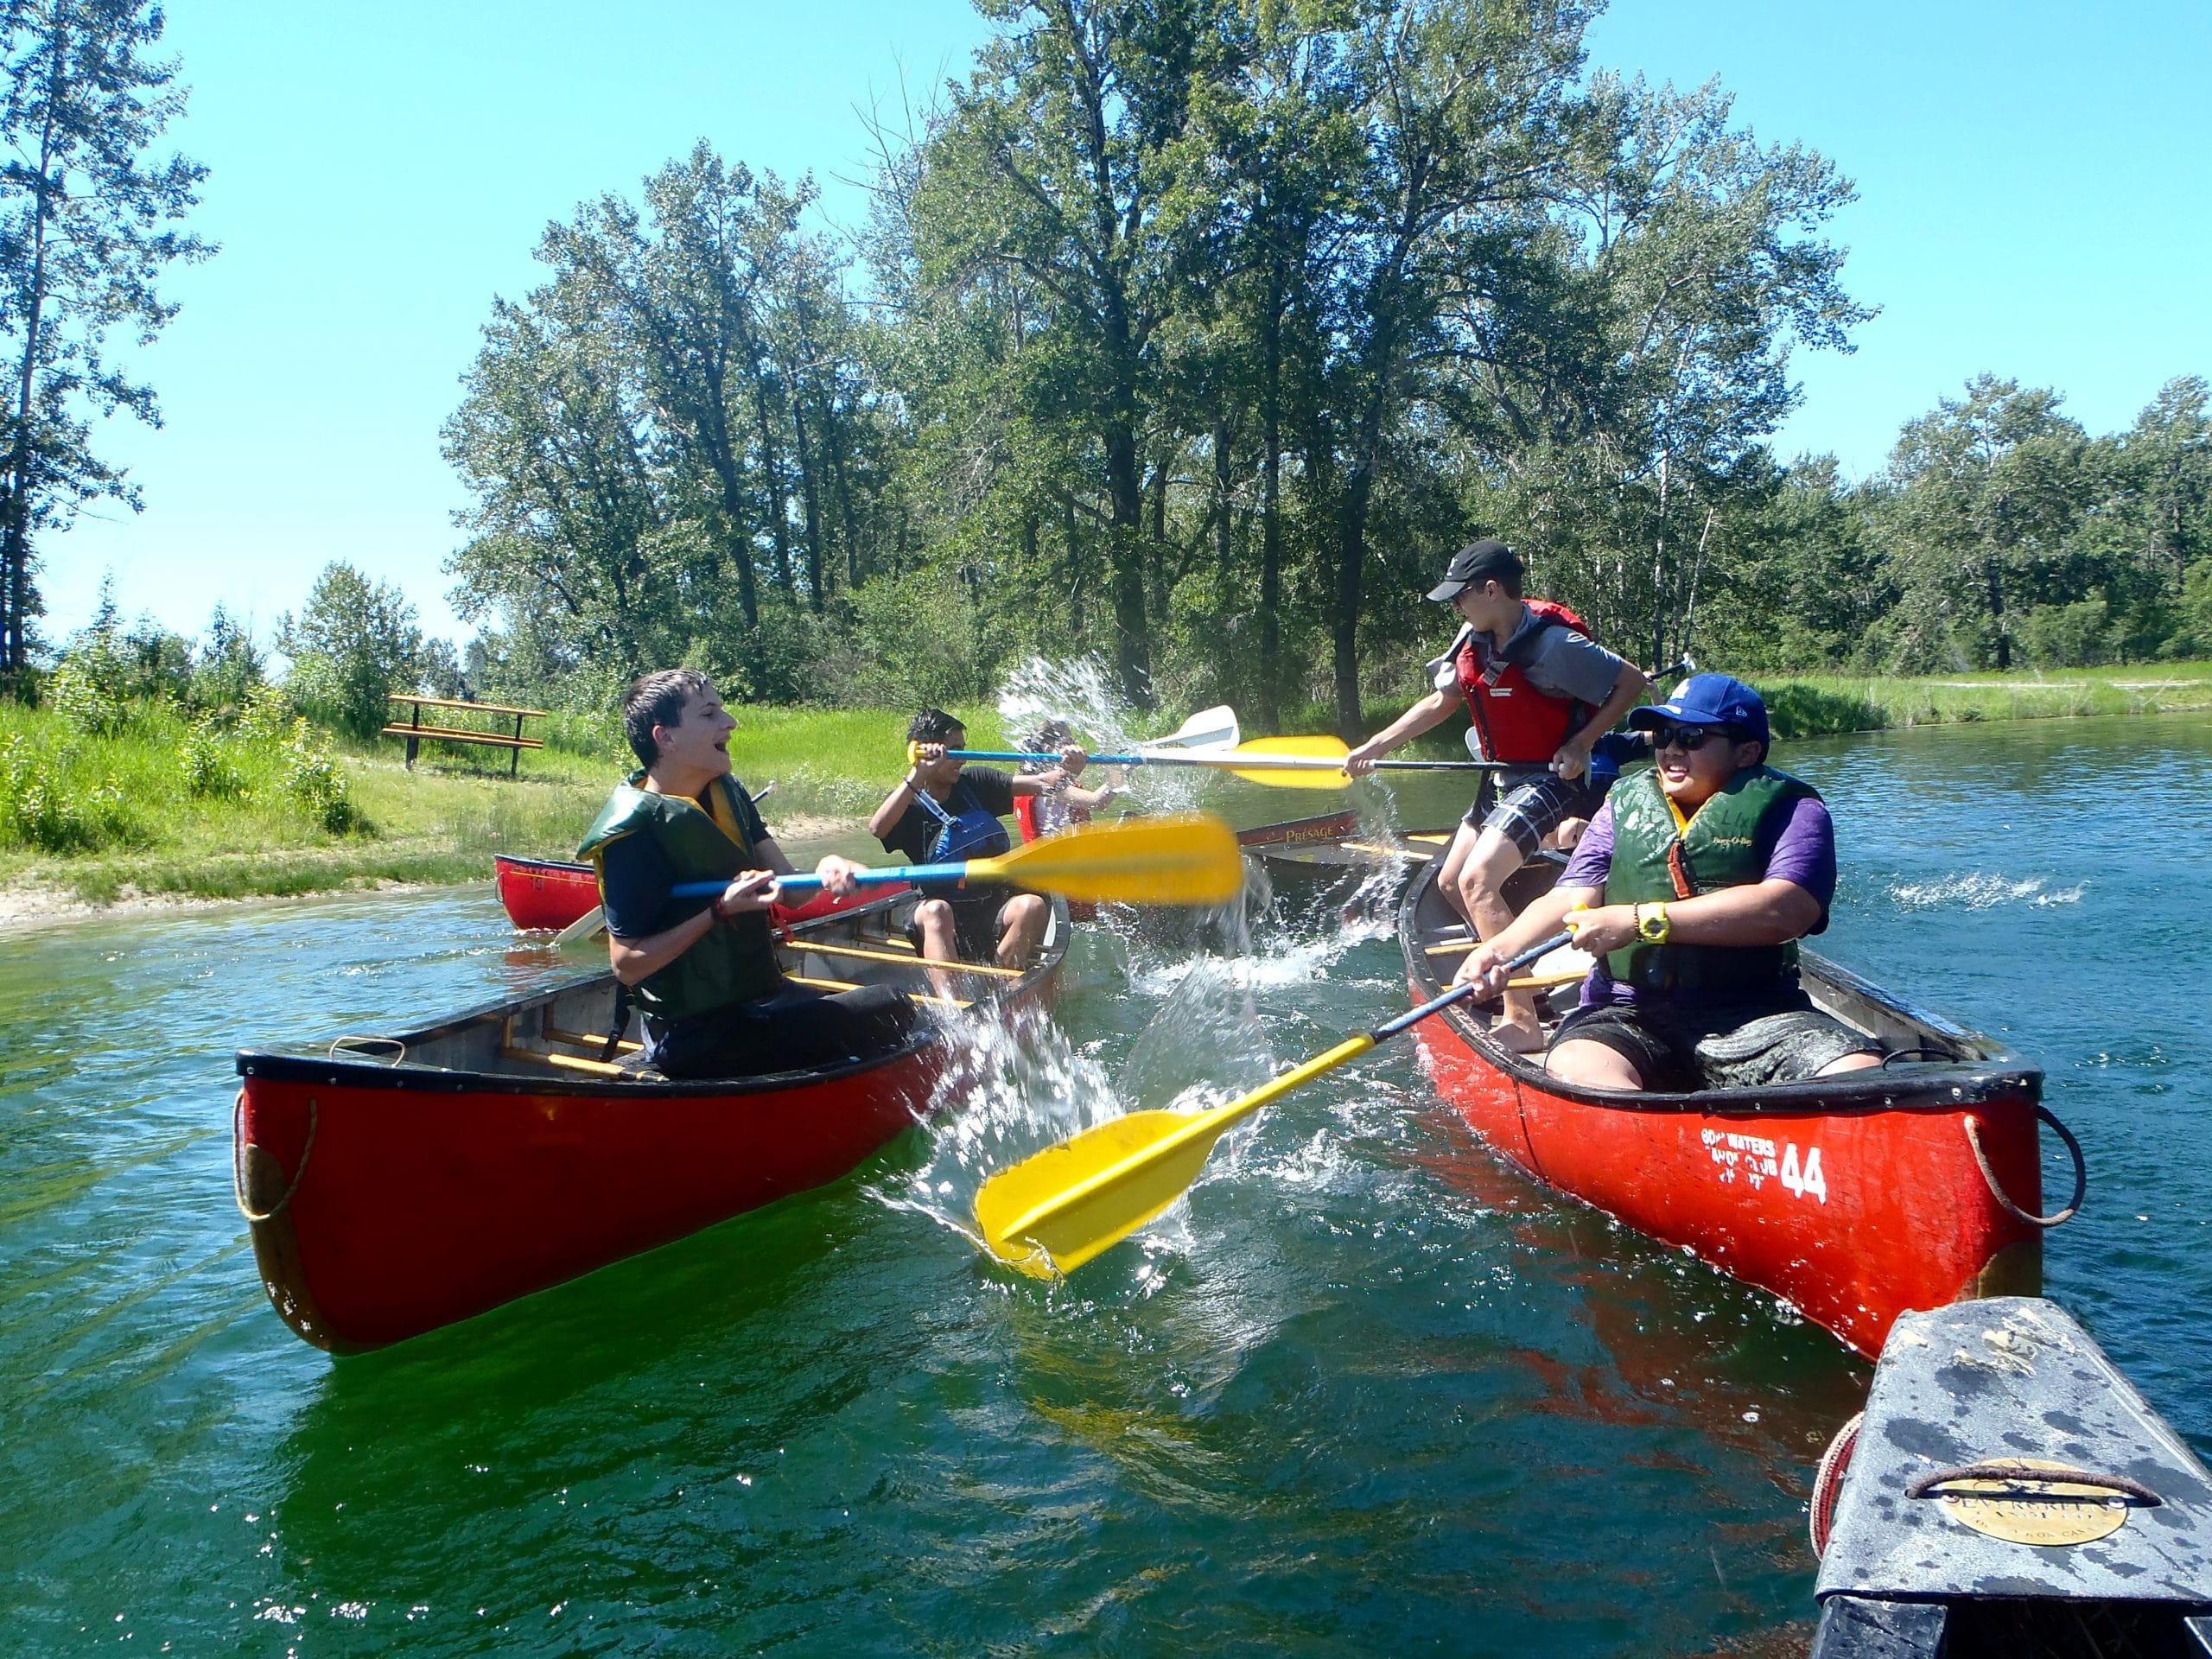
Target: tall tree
point(1064, 161)
point(1984, 492)
point(86, 226)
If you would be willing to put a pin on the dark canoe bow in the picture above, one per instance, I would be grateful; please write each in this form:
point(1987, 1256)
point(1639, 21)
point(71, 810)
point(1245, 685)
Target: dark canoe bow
point(395, 1184)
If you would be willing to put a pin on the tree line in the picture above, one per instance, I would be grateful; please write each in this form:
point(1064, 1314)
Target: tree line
point(1191, 334)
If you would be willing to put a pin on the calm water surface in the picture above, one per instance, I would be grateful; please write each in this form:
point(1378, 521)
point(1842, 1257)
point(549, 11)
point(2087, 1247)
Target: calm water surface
point(1368, 1394)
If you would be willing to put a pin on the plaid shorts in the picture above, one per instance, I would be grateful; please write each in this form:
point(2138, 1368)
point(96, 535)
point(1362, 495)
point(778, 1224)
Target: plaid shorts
point(1534, 804)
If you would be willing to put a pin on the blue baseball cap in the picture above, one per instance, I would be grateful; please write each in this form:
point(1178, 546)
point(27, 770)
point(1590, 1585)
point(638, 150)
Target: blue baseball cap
point(1707, 700)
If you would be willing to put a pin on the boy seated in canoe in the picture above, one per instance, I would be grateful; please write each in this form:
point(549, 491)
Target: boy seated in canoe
point(943, 812)
point(1066, 804)
point(1692, 887)
point(1541, 693)
point(705, 972)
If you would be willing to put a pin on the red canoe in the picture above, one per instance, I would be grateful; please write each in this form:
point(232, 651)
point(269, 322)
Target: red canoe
point(549, 893)
point(398, 1184)
point(1852, 1198)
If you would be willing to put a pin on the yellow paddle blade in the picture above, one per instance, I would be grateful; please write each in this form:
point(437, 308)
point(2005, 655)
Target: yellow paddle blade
point(1051, 1213)
point(1329, 749)
point(1186, 860)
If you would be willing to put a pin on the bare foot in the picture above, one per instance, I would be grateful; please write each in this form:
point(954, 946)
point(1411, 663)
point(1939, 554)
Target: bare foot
point(1516, 1038)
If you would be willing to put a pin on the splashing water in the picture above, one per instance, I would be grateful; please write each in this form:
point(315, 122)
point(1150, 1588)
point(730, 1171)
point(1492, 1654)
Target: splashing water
point(1977, 890)
point(1081, 693)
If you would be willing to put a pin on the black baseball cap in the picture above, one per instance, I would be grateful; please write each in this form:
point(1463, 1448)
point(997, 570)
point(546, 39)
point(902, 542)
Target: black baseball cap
point(1474, 564)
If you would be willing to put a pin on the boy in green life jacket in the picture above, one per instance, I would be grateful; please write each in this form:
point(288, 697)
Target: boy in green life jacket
point(1692, 887)
point(705, 972)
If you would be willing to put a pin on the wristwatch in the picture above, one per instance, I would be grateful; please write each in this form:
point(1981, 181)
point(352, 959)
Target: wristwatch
point(1655, 928)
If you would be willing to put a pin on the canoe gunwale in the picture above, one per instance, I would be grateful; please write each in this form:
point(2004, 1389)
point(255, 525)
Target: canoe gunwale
point(357, 1069)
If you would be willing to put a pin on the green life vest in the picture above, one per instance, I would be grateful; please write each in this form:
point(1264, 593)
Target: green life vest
point(1657, 860)
point(735, 961)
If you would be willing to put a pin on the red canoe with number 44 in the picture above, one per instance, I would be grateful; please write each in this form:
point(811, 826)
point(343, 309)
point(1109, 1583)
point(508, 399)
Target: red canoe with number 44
point(1851, 1198)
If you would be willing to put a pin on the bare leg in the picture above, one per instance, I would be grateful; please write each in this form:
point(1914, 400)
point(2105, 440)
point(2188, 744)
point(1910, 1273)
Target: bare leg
point(1849, 1063)
point(1455, 862)
point(1593, 1066)
point(1021, 928)
point(1482, 881)
point(934, 918)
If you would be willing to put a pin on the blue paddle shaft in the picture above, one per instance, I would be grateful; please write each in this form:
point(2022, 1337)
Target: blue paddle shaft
point(1461, 993)
point(812, 884)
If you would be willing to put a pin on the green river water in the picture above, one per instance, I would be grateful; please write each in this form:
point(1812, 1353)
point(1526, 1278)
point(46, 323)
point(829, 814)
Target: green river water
point(1365, 1394)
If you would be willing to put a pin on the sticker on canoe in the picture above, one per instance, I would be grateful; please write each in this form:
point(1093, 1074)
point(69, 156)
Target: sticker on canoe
point(2062, 1512)
point(1757, 1161)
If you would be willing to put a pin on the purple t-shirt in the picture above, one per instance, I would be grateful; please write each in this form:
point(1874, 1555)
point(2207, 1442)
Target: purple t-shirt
point(1801, 851)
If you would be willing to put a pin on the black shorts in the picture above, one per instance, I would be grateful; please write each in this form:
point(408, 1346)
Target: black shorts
point(1534, 804)
point(1743, 1044)
point(975, 920)
point(795, 1029)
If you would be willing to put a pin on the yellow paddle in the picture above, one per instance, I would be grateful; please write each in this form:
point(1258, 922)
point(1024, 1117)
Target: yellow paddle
point(1186, 860)
point(1051, 1213)
point(1284, 762)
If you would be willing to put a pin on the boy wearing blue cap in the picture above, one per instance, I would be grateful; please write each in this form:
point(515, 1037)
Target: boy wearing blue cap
point(1692, 887)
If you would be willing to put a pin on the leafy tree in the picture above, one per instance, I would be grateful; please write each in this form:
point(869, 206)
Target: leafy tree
point(1984, 492)
point(86, 225)
point(354, 642)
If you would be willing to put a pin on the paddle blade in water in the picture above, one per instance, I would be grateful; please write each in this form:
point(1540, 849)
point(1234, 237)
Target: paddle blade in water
point(1186, 860)
point(1330, 750)
point(1051, 1213)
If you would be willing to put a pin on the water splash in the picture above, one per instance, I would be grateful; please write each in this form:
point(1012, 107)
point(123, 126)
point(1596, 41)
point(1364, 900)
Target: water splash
point(1977, 890)
point(1081, 693)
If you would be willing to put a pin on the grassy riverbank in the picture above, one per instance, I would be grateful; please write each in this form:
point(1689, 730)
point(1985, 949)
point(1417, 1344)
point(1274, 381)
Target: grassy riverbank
point(89, 819)
point(1811, 705)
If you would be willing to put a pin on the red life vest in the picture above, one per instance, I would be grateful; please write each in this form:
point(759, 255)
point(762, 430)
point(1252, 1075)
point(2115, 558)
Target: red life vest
point(1025, 814)
point(1519, 723)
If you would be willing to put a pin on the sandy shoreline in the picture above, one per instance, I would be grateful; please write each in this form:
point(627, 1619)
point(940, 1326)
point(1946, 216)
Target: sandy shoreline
point(29, 904)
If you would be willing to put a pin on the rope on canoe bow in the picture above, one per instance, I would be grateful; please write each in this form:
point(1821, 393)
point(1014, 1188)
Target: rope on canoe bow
point(1828, 1482)
point(1973, 1126)
point(239, 1148)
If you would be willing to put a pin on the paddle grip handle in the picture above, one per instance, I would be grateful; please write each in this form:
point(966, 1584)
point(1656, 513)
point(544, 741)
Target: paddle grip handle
point(1461, 993)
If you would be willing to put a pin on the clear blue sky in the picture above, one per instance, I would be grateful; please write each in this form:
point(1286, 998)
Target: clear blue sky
point(2033, 185)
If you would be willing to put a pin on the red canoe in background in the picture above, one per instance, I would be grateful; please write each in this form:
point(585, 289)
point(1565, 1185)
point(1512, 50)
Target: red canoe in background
point(1852, 1198)
point(395, 1184)
point(549, 893)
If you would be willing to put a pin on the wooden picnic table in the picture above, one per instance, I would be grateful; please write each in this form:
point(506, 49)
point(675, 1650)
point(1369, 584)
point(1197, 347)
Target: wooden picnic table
point(415, 731)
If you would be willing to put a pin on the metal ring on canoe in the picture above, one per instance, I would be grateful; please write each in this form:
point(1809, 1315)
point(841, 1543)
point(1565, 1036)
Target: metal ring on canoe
point(2028, 1475)
point(239, 1150)
point(1996, 1191)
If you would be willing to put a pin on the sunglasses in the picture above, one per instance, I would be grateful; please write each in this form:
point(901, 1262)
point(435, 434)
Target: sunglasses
point(1688, 739)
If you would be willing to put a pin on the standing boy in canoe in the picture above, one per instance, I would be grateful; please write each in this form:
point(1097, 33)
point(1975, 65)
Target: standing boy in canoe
point(1699, 875)
point(703, 972)
point(943, 812)
point(1541, 693)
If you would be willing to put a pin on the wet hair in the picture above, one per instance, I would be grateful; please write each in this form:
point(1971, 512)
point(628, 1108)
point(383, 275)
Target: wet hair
point(1051, 735)
point(657, 699)
point(932, 726)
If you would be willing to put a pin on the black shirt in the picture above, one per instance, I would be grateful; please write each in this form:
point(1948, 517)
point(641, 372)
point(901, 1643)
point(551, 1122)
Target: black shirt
point(635, 875)
point(917, 830)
